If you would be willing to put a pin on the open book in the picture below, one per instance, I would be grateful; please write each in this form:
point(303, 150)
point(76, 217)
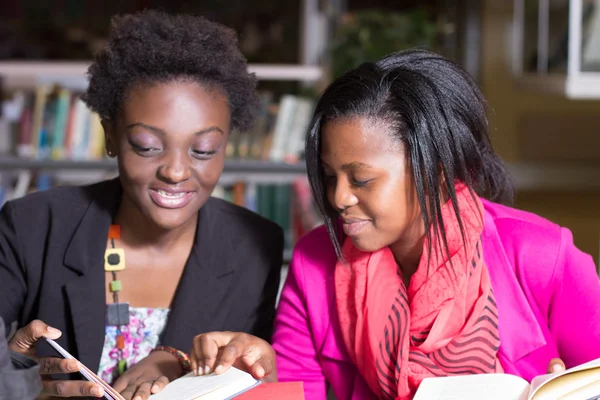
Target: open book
point(577, 383)
point(227, 385)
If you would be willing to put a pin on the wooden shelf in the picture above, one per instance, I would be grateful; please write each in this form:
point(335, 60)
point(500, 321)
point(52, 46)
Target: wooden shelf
point(27, 74)
point(231, 166)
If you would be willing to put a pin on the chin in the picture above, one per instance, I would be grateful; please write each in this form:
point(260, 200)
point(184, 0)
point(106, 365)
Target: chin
point(169, 219)
point(368, 246)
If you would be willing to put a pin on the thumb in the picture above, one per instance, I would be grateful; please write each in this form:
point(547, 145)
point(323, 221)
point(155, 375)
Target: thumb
point(25, 338)
point(556, 365)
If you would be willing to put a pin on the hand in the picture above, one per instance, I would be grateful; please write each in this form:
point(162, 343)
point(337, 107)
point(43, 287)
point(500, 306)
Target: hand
point(24, 341)
point(556, 365)
point(217, 351)
point(149, 376)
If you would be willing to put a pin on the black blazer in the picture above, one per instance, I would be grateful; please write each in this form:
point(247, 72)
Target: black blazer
point(52, 246)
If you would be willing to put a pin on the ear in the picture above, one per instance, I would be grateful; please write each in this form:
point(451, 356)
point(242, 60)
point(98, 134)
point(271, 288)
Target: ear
point(110, 140)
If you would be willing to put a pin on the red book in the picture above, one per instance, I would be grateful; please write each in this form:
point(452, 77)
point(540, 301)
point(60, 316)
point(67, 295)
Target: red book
point(274, 391)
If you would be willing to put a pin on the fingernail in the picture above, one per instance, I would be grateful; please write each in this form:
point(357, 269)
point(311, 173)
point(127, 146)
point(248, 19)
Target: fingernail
point(557, 368)
point(206, 370)
point(72, 366)
point(137, 398)
point(154, 388)
point(260, 371)
point(97, 391)
point(219, 369)
point(52, 330)
point(199, 371)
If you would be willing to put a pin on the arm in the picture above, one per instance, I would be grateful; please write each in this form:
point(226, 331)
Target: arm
point(296, 354)
point(13, 285)
point(263, 327)
point(574, 315)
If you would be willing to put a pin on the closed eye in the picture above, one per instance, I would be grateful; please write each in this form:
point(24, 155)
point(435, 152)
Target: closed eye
point(203, 155)
point(360, 183)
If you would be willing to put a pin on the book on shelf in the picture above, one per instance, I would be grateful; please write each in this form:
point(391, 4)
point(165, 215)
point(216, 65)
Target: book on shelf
point(290, 205)
point(578, 383)
point(233, 383)
point(54, 123)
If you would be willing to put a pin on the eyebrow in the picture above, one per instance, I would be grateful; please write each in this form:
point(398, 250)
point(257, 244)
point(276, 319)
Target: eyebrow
point(351, 165)
point(154, 129)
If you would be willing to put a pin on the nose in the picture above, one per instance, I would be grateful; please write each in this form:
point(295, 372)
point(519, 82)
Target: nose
point(175, 168)
point(343, 196)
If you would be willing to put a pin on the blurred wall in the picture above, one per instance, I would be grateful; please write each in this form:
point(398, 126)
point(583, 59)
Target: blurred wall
point(537, 127)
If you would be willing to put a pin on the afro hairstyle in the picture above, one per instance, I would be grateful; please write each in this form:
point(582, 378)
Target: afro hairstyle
point(152, 47)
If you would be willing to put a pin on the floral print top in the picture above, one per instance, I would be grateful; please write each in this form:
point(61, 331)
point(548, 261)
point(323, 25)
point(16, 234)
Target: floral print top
point(143, 334)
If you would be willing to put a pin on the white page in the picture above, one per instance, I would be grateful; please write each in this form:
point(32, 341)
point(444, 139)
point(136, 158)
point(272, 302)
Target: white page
point(474, 387)
point(217, 387)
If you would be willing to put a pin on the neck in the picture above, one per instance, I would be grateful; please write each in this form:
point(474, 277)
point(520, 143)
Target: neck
point(139, 231)
point(408, 256)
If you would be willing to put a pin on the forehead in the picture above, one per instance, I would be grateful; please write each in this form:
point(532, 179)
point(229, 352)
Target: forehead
point(186, 102)
point(360, 139)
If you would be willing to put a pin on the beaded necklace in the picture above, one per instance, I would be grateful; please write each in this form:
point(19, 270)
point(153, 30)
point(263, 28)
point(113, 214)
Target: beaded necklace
point(117, 313)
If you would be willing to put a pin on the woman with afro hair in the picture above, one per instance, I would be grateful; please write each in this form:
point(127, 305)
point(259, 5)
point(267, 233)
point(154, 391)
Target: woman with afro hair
point(124, 273)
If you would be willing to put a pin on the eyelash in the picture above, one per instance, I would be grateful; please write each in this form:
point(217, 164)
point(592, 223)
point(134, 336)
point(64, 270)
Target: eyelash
point(354, 182)
point(359, 184)
point(203, 154)
point(197, 154)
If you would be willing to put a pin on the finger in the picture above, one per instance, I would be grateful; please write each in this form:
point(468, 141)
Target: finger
point(25, 338)
point(229, 354)
point(204, 352)
point(556, 365)
point(129, 391)
point(143, 390)
point(52, 365)
point(72, 388)
point(121, 383)
point(261, 368)
point(159, 384)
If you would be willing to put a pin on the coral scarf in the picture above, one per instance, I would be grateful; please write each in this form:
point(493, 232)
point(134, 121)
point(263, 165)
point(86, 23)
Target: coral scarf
point(446, 323)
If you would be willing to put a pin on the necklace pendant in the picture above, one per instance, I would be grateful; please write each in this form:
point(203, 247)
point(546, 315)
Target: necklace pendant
point(120, 342)
point(117, 314)
point(122, 366)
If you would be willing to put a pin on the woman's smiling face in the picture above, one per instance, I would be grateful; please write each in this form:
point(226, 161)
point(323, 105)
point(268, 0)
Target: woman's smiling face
point(170, 141)
point(369, 181)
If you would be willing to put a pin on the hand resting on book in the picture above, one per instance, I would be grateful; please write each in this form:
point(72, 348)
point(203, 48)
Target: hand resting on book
point(149, 376)
point(217, 351)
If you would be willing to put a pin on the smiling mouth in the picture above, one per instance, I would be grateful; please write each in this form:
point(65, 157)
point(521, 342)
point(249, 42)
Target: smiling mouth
point(170, 200)
point(353, 228)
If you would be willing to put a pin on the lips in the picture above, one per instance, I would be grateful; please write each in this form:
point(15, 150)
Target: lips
point(353, 226)
point(171, 199)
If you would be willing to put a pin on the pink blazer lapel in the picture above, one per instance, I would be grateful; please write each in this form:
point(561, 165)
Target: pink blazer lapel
point(519, 329)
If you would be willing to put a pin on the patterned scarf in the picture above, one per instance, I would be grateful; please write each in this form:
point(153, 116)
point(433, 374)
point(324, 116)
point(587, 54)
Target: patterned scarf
point(446, 323)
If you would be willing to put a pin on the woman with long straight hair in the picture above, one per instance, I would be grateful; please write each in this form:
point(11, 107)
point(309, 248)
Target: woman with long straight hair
point(419, 270)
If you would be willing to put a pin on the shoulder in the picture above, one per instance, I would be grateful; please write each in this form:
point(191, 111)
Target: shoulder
point(60, 200)
point(522, 228)
point(538, 250)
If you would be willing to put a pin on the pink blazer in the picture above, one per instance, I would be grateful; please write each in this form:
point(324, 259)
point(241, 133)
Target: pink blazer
point(547, 291)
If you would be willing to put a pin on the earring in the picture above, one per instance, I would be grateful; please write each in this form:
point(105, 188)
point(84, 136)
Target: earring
point(110, 153)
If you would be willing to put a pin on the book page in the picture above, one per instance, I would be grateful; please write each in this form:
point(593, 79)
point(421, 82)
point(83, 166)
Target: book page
point(552, 387)
point(207, 387)
point(588, 392)
point(474, 387)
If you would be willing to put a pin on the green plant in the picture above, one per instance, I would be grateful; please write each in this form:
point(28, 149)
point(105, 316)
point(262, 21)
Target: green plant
point(370, 35)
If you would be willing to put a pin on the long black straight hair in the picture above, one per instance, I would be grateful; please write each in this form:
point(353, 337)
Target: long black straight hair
point(436, 111)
